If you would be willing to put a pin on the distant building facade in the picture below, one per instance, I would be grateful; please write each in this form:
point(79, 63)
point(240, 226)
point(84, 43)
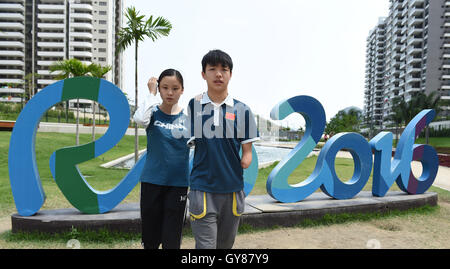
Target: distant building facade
point(36, 33)
point(407, 52)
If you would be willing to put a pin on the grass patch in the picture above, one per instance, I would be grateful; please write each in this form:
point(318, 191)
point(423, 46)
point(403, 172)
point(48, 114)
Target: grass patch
point(102, 236)
point(342, 218)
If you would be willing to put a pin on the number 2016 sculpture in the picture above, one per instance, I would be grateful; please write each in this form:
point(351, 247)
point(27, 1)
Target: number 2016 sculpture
point(29, 195)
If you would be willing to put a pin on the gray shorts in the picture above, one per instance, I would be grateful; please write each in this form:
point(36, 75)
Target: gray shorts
point(215, 218)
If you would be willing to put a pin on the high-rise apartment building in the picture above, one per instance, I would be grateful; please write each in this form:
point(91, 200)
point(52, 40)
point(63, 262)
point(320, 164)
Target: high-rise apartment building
point(34, 34)
point(413, 56)
point(375, 74)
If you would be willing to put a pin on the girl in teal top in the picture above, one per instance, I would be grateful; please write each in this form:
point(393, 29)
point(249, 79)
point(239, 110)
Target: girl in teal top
point(164, 179)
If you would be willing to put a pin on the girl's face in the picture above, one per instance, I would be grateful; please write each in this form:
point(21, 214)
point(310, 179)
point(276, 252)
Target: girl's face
point(170, 90)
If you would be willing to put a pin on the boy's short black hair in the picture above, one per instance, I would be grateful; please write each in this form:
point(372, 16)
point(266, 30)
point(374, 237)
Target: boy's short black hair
point(215, 57)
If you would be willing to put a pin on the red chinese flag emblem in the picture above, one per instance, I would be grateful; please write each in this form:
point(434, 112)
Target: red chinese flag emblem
point(230, 116)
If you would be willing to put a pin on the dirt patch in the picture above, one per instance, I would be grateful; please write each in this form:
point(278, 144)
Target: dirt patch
point(5, 224)
point(406, 232)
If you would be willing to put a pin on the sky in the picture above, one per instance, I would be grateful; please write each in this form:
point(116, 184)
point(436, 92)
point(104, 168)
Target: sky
point(280, 49)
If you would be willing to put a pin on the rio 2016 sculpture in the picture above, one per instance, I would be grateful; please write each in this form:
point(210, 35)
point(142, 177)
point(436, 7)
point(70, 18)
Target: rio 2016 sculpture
point(29, 195)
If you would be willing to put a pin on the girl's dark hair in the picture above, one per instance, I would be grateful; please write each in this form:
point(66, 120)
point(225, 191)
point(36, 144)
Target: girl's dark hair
point(169, 73)
point(215, 57)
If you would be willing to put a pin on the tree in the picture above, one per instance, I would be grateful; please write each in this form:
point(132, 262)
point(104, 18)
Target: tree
point(70, 68)
point(398, 106)
point(97, 71)
point(344, 121)
point(29, 81)
point(404, 111)
point(136, 30)
point(430, 101)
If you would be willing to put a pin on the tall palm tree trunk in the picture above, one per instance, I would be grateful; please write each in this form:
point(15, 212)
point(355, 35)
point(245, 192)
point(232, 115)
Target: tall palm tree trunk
point(136, 138)
point(77, 131)
point(93, 120)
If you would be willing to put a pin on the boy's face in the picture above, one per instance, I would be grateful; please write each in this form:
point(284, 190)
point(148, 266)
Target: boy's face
point(217, 77)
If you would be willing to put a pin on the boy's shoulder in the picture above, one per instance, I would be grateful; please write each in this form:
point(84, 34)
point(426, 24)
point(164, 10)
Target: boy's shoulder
point(198, 99)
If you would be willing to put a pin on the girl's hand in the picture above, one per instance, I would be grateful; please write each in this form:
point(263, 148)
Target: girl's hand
point(152, 84)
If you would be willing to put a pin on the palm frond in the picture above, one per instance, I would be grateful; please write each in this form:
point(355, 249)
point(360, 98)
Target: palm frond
point(157, 28)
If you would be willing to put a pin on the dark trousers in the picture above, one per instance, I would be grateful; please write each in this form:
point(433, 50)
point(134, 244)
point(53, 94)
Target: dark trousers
point(162, 215)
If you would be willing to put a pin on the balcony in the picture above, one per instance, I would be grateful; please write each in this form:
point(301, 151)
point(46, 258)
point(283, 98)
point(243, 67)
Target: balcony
point(85, 16)
point(411, 60)
point(52, 7)
point(411, 89)
point(12, 62)
point(51, 44)
point(415, 21)
point(10, 99)
point(411, 79)
point(17, 72)
point(13, 16)
point(80, 25)
point(12, 44)
point(59, 17)
point(414, 41)
point(414, 11)
point(12, 53)
point(51, 53)
point(51, 35)
point(46, 81)
point(81, 34)
point(11, 90)
point(412, 69)
point(415, 31)
point(12, 7)
point(7, 35)
point(12, 25)
point(413, 50)
point(51, 26)
point(81, 44)
point(45, 63)
point(47, 72)
point(414, 3)
point(83, 7)
point(74, 53)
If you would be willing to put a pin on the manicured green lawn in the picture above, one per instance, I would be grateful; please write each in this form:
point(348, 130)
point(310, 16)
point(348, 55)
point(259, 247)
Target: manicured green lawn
point(437, 142)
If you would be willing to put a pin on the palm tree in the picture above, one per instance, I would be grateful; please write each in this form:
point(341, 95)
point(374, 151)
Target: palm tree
point(97, 71)
point(71, 68)
point(137, 29)
point(29, 81)
point(398, 104)
point(405, 111)
point(430, 101)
